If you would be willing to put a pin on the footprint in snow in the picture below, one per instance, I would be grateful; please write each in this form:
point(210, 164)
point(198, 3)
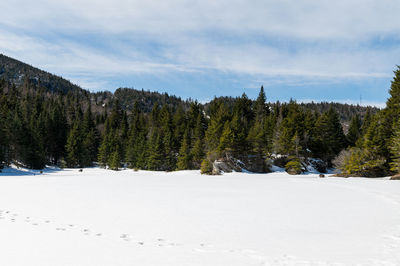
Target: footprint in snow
point(125, 237)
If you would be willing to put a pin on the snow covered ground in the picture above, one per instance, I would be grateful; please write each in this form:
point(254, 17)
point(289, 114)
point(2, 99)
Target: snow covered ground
point(100, 217)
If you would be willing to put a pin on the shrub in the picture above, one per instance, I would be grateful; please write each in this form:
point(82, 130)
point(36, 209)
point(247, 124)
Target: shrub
point(206, 167)
point(293, 167)
point(358, 162)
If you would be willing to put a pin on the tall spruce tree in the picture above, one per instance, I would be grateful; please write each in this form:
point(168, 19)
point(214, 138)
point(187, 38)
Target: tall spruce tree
point(329, 136)
point(74, 147)
point(185, 157)
point(395, 150)
point(354, 130)
point(197, 151)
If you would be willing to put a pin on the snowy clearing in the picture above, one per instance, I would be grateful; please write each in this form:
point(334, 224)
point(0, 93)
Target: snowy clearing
point(100, 217)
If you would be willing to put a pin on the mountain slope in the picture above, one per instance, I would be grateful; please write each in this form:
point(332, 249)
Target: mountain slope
point(17, 72)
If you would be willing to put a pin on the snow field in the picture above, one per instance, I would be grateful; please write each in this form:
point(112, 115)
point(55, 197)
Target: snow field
point(101, 217)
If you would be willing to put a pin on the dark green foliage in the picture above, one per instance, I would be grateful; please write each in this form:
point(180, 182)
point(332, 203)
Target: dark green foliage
point(49, 120)
point(197, 152)
point(136, 150)
point(115, 161)
point(12, 70)
point(185, 157)
point(359, 162)
point(329, 138)
point(216, 126)
point(74, 147)
point(395, 150)
point(115, 133)
point(354, 130)
point(293, 166)
point(206, 167)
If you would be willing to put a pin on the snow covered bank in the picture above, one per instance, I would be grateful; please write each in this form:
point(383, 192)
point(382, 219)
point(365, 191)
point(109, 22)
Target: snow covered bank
point(100, 217)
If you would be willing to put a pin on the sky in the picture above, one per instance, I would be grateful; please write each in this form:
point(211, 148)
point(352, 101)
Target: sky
point(343, 50)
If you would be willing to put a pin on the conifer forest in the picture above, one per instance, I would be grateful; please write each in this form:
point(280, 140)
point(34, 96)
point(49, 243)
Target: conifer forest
point(49, 121)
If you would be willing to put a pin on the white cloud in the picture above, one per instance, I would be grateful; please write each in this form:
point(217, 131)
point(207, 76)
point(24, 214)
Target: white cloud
point(302, 18)
point(265, 38)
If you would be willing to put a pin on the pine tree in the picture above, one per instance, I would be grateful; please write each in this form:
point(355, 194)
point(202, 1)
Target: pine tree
point(169, 157)
point(136, 140)
point(395, 151)
point(104, 151)
point(329, 136)
point(260, 108)
point(366, 122)
point(184, 157)
point(56, 133)
point(197, 151)
point(354, 130)
point(393, 103)
point(226, 142)
point(214, 131)
point(90, 138)
point(3, 135)
point(115, 131)
point(74, 147)
point(155, 158)
point(115, 161)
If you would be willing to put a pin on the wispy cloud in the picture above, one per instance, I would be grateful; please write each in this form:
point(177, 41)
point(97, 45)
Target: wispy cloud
point(291, 42)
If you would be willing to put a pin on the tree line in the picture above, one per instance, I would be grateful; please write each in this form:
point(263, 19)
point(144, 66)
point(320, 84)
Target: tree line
point(72, 129)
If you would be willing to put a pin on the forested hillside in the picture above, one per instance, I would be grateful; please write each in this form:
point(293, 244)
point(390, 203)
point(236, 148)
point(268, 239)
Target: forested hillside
point(60, 124)
point(17, 73)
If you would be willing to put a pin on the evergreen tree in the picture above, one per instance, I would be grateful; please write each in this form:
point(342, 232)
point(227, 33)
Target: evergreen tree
point(393, 103)
point(3, 136)
point(155, 159)
point(395, 150)
point(329, 136)
point(136, 149)
point(226, 142)
point(115, 131)
point(74, 147)
point(197, 151)
point(185, 157)
point(169, 154)
point(260, 108)
point(115, 161)
point(214, 131)
point(366, 122)
point(90, 138)
point(354, 130)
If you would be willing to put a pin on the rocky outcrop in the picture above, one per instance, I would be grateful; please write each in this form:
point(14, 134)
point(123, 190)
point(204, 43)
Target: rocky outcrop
point(395, 177)
point(229, 163)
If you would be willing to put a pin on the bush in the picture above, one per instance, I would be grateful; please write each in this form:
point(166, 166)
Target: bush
point(206, 167)
point(358, 162)
point(293, 167)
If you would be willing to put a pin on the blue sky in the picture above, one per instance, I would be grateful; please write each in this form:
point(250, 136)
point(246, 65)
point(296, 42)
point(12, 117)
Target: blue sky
point(305, 50)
